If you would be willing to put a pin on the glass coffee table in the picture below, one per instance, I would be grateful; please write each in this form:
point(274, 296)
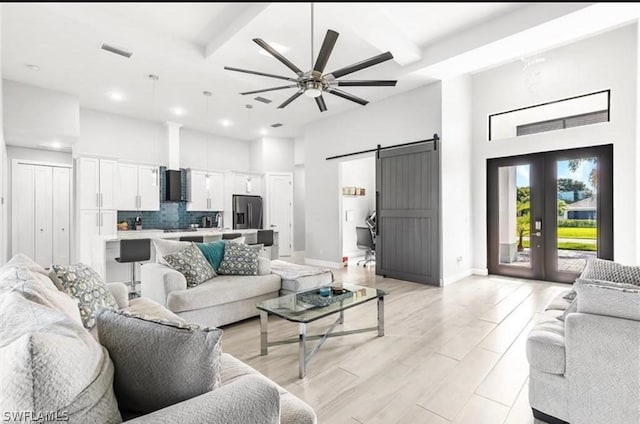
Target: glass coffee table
point(309, 306)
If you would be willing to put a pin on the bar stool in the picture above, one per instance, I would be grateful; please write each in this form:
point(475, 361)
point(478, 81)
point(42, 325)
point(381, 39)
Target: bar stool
point(265, 237)
point(197, 239)
point(230, 236)
point(132, 251)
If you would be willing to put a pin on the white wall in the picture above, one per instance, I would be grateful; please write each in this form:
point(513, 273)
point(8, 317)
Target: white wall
point(4, 171)
point(456, 179)
point(299, 208)
point(34, 115)
point(110, 135)
point(224, 152)
point(608, 61)
point(272, 154)
point(359, 173)
point(410, 116)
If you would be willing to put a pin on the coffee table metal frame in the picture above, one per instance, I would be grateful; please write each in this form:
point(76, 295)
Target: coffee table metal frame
point(304, 356)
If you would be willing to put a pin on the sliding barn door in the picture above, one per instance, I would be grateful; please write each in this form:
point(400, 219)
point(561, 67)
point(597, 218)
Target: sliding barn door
point(407, 195)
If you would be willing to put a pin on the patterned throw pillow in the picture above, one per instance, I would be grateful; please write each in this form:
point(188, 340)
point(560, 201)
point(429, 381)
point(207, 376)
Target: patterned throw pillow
point(240, 259)
point(158, 362)
point(191, 263)
point(83, 283)
point(604, 270)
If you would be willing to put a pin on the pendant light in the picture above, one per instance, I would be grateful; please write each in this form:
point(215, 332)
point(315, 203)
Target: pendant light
point(207, 181)
point(155, 175)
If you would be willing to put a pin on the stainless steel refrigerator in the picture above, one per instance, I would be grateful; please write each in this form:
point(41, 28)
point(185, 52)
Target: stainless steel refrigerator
point(247, 212)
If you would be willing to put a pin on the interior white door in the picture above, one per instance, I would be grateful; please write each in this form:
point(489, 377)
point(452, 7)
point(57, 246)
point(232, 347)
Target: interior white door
point(88, 183)
point(108, 183)
point(280, 201)
point(23, 209)
point(44, 215)
point(61, 215)
point(199, 194)
point(127, 193)
point(148, 190)
point(216, 191)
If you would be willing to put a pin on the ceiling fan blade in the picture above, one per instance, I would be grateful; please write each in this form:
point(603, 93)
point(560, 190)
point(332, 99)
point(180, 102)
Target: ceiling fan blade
point(367, 83)
point(325, 51)
point(321, 104)
point(345, 95)
point(361, 65)
point(246, 71)
point(273, 52)
point(269, 89)
point(290, 99)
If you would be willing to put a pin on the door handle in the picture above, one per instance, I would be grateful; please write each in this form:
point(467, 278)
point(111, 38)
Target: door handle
point(98, 220)
point(101, 220)
point(537, 234)
point(97, 200)
point(377, 213)
point(101, 200)
point(273, 226)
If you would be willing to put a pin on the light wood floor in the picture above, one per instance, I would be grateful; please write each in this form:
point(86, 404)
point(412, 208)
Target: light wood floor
point(451, 355)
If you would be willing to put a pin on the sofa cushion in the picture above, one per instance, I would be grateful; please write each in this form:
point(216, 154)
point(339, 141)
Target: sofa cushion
point(83, 283)
point(213, 252)
point(573, 307)
point(164, 247)
point(222, 289)
point(159, 362)
point(606, 298)
point(240, 259)
point(545, 347)
point(191, 263)
point(601, 269)
point(50, 363)
point(560, 302)
point(147, 307)
point(264, 266)
point(22, 261)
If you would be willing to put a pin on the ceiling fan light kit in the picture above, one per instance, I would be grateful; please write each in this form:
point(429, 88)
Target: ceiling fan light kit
point(314, 83)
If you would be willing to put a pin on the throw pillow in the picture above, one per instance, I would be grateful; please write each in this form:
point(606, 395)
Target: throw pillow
point(240, 259)
point(159, 363)
point(167, 247)
point(191, 263)
point(609, 299)
point(601, 269)
point(83, 283)
point(213, 252)
point(238, 240)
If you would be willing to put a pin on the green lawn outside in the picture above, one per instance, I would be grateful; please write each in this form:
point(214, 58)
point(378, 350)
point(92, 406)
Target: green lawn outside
point(577, 233)
point(591, 247)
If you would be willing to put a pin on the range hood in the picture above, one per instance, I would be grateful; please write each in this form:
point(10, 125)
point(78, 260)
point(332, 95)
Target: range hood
point(173, 174)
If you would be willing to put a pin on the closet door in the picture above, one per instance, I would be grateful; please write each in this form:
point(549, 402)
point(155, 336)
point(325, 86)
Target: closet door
point(61, 215)
point(43, 215)
point(23, 209)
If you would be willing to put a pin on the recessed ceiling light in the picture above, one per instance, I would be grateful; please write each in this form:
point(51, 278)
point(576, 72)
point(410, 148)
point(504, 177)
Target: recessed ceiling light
point(279, 47)
point(56, 145)
point(178, 111)
point(32, 67)
point(263, 131)
point(225, 123)
point(116, 96)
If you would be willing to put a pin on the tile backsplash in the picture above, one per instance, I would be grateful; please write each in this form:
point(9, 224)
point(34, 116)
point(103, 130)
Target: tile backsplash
point(170, 215)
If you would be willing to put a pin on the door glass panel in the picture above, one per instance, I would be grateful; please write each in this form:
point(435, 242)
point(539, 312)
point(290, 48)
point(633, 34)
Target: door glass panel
point(514, 215)
point(577, 232)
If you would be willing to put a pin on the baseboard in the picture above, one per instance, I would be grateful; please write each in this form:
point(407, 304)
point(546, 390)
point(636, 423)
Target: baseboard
point(299, 253)
point(450, 279)
point(539, 415)
point(479, 271)
point(317, 262)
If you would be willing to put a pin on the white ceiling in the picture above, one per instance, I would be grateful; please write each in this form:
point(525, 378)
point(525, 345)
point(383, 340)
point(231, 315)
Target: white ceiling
point(188, 44)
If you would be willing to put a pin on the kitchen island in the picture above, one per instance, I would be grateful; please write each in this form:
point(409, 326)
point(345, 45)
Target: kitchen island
point(107, 248)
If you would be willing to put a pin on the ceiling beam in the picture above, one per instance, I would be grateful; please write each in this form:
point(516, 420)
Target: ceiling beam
point(230, 23)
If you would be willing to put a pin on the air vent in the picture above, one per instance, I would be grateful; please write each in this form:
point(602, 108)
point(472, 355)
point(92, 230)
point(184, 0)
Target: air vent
point(262, 99)
point(276, 125)
point(116, 50)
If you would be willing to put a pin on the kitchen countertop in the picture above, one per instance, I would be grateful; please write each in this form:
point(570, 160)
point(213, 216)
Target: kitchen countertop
point(156, 233)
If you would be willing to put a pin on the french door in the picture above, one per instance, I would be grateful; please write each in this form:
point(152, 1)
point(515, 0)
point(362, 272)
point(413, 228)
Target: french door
point(547, 213)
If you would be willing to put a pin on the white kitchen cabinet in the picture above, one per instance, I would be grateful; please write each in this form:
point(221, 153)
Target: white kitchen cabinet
point(96, 183)
point(247, 184)
point(41, 211)
point(205, 197)
point(137, 188)
point(94, 224)
point(148, 190)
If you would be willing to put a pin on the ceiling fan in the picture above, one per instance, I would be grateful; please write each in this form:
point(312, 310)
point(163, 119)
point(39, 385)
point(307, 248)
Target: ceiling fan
point(314, 82)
